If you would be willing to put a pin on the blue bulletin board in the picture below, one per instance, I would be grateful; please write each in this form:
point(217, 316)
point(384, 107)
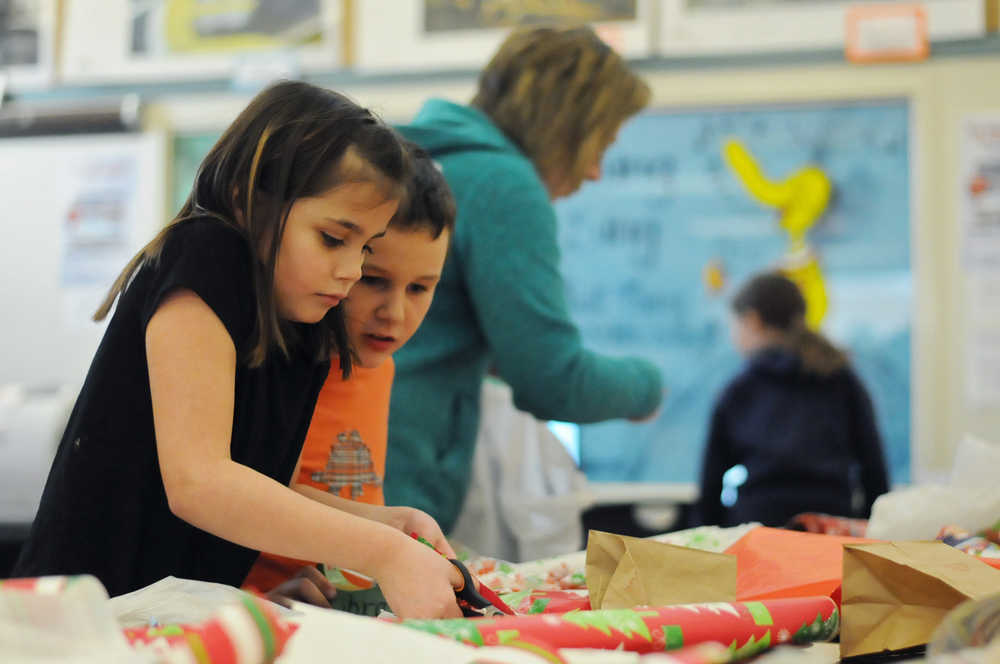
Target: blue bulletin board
point(653, 252)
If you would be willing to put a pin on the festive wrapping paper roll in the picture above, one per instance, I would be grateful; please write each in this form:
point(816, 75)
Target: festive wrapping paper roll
point(55, 618)
point(249, 632)
point(747, 628)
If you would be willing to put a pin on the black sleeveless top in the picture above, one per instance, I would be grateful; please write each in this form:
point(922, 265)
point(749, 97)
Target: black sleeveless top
point(104, 510)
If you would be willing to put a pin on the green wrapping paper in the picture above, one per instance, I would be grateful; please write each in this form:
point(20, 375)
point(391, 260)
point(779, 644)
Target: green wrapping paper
point(746, 628)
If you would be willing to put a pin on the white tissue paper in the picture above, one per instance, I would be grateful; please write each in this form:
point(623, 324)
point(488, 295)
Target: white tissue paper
point(919, 512)
point(977, 464)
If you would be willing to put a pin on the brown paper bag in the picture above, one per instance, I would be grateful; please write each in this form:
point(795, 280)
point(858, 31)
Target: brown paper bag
point(896, 593)
point(624, 572)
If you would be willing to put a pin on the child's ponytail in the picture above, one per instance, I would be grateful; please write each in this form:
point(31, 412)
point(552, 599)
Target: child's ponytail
point(815, 352)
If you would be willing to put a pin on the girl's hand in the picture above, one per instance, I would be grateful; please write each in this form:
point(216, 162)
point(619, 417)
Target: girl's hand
point(411, 520)
point(417, 582)
point(308, 585)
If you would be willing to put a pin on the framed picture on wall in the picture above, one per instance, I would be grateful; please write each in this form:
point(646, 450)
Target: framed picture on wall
point(706, 27)
point(463, 34)
point(154, 39)
point(27, 29)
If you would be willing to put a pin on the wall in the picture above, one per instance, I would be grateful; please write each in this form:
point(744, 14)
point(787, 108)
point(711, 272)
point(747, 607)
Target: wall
point(941, 92)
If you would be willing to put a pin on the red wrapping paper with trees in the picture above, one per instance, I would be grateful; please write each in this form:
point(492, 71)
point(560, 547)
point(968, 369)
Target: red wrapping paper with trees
point(747, 628)
point(547, 601)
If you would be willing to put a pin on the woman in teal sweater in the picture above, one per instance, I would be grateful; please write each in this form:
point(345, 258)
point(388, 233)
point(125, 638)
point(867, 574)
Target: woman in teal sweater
point(548, 105)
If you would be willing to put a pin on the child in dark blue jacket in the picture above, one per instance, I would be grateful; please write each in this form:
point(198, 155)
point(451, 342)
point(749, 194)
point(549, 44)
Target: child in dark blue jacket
point(796, 417)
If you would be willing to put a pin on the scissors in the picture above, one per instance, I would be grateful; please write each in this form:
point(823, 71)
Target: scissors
point(474, 602)
point(481, 602)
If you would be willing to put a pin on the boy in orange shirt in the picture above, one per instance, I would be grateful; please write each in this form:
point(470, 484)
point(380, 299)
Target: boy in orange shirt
point(344, 451)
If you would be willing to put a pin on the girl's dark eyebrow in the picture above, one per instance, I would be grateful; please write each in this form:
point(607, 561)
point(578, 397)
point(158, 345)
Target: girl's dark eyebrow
point(352, 227)
point(349, 225)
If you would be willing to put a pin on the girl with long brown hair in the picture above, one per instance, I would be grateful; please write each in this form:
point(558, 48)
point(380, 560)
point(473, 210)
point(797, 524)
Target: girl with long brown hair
point(179, 452)
point(797, 418)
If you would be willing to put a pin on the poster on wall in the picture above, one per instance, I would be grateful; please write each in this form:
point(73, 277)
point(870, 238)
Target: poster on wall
point(982, 340)
point(148, 39)
point(27, 29)
point(979, 194)
point(427, 34)
point(96, 227)
point(705, 27)
point(979, 220)
point(101, 201)
point(689, 207)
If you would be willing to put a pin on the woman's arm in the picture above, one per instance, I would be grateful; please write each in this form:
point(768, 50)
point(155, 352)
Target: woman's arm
point(509, 253)
point(192, 369)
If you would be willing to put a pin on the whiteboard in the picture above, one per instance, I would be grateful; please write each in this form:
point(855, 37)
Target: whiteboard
point(75, 209)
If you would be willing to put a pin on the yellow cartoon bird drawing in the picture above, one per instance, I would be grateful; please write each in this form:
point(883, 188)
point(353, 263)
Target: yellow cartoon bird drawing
point(800, 199)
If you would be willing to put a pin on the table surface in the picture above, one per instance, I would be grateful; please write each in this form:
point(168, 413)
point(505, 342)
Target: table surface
point(608, 493)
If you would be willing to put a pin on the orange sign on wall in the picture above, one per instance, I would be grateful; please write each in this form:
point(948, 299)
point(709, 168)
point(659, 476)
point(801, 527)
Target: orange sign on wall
point(886, 33)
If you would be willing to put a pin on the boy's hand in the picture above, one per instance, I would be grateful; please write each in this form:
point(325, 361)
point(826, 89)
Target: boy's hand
point(308, 585)
point(411, 520)
point(417, 582)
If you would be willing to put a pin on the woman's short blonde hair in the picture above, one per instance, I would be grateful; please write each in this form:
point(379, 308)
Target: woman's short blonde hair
point(560, 94)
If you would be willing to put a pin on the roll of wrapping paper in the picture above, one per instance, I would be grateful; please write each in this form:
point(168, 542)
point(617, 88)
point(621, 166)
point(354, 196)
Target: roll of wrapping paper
point(73, 610)
point(248, 632)
point(747, 628)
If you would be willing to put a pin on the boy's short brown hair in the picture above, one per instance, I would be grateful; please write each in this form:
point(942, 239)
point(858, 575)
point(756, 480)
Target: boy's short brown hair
point(430, 205)
point(560, 94)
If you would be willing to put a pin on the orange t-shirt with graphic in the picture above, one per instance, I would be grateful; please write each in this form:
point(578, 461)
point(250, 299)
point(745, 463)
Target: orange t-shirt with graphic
point(344, 452)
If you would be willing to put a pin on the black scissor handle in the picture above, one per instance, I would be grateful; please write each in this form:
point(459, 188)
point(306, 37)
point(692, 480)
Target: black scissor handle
point(469, 599)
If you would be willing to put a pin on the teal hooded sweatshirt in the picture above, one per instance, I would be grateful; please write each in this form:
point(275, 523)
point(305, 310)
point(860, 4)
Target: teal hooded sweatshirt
point(500, 304)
